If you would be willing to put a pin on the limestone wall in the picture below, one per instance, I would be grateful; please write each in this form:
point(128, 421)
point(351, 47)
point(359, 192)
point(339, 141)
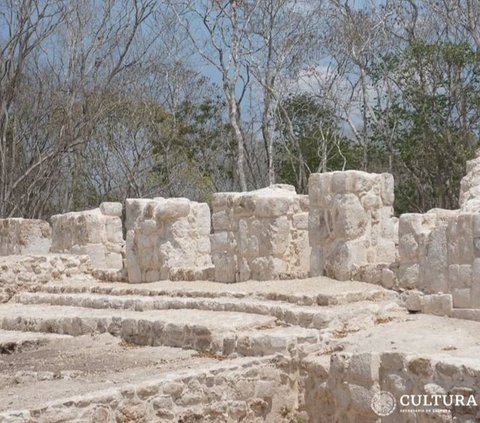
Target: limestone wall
point(97, 233)
point(260, 235)
point(352, 230)
point(470, 187)
point(167, 239)
point(24, 236)
point(318, 389)
point(18, 273)
point(439, 254)
point(248, 392)
point(342, 390)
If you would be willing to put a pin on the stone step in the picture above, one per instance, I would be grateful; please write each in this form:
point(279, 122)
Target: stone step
point(466, 313)
point(243, 389)
point(292, 314)
point(223, 333)
point(15, 341)
point(314, 291)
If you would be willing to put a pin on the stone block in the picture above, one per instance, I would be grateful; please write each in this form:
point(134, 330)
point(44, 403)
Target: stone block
point(169, 239)
point(300, 221)
point(364, 368)
point(111, 209)
point(461, 297)
point(97, 233)
point(24, 236)
point(350, 219)
point(408, 275)
point(267, 234)
point(438, 304)
point(351, 226)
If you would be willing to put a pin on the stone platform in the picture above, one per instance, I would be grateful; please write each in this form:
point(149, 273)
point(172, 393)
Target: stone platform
point(311, 350)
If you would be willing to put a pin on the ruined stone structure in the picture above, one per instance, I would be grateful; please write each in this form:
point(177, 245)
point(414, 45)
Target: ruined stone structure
point(260, 235)
point(19, 273)
point(168, 239)
point(96, 233)
point(24, 236)
point(353, 233)
point(314, 350)
point(440, 254)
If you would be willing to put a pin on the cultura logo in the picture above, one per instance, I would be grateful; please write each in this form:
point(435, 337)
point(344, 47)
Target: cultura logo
point(438, 400)
point(383, 403)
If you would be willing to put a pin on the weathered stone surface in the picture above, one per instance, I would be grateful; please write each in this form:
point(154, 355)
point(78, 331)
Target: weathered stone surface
point(437, 256)
point(352, 229)
point(24, 236)
point(18, 273)
point(439, 253)
point(97, 233)
point(470, 187)
point(260, 235)
point(167, 239)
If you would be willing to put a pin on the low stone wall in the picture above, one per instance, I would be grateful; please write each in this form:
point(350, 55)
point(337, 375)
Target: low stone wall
point(352, 230)
point(24, 236)
point(260, 235)
point(317, 389)
point(439, 255)
point(97, 233)
point(17, 273)
point(168, 239)
point(342, 389)
point(440, 258)
point(252, 391)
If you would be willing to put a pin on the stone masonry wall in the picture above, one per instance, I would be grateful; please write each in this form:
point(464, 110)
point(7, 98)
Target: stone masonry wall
point(342, 389)
point(168, 239)
point(317, 389)
point(97, 233)
point(439, 254)
point(17, 273)
point(352, 230)
point(253, 391)
point(24, 236)
point(260, 235)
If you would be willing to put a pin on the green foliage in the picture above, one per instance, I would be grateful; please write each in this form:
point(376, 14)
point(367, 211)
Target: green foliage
point(308, 129)
point(197, 146)
point(434, 117)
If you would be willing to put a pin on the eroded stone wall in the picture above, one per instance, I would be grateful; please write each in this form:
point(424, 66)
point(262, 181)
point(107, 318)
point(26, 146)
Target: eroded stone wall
point(260, 235)
point(24, 236)
point(168, 239)
point(341, 389)
point(19, 273)
point(439, 254)
point(97, 233)
point(352, 229)
point(252, 391)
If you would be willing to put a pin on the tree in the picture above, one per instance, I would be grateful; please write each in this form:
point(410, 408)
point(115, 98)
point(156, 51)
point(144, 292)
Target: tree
point(436, 118)
point(224, 45)
point(318, 138)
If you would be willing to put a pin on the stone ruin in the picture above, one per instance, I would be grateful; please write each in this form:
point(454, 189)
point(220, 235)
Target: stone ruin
point(260, 235)
point(314, 350)
point(353, 232)
point(168, 239)
point(96, 233)
point(24, 236)
point(439, 254)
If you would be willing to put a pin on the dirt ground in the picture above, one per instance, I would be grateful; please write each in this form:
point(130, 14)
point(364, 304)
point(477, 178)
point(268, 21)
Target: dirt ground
point(71, 366)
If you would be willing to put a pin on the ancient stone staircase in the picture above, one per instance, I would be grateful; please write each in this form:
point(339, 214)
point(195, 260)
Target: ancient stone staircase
point(83, 350)
point(250, 324)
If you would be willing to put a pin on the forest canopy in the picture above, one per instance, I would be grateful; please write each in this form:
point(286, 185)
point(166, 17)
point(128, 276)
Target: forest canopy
point(102, 100)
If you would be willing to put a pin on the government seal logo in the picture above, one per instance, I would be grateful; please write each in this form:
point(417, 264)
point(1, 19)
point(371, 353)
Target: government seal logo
point(383, 403)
